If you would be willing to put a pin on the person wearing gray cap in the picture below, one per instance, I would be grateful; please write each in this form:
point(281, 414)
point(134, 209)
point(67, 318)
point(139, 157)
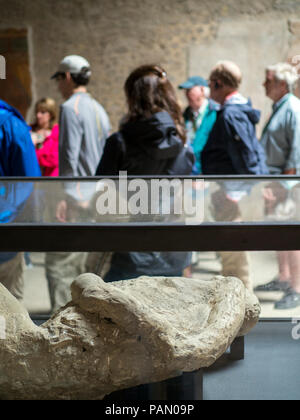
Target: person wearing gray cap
point(199, 116)
point(83, 129)
point(84, 124)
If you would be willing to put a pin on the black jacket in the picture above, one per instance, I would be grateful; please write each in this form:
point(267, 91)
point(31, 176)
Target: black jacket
point(147, 147)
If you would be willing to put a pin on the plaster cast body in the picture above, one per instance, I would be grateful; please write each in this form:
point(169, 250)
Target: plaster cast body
point(118, 335)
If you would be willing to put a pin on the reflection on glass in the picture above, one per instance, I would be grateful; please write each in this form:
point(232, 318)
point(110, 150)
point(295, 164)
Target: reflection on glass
point(14, 197)
point(122, 200)
point(127, 200)
point(274, 276)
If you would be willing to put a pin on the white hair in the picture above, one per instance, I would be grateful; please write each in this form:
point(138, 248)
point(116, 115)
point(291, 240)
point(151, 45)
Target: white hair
point(285, 72)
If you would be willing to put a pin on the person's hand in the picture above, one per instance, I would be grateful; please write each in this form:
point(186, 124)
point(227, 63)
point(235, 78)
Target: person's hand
point(275, 190)
point(61, 211)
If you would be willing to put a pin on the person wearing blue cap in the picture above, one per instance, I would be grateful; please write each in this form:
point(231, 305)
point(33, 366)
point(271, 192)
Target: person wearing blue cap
point(199, 116)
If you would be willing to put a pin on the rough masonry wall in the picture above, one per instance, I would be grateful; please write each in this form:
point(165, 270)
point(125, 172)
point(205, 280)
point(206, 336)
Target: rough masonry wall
point(117, 35)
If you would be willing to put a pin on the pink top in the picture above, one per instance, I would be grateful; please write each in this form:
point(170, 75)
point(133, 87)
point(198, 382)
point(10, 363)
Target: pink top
point(48, 154)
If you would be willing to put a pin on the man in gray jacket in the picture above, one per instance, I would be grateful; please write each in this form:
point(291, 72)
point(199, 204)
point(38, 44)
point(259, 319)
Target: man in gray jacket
point(84, 127)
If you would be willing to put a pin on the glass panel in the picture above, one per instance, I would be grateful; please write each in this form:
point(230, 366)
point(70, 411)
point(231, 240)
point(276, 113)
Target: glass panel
point(253, 200)
point(256, 269)
point(127, 200)
point(16, 86)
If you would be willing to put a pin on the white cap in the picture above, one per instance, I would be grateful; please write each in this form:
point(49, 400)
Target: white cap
point(73, 64)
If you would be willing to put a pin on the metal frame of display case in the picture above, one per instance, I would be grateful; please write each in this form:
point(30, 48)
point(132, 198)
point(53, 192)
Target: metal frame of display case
point(122, 237)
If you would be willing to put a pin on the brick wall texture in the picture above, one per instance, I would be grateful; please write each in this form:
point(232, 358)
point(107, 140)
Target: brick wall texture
point(117, 35)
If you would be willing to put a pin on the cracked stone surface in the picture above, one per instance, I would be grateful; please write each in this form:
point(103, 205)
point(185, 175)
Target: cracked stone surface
point(113, 336)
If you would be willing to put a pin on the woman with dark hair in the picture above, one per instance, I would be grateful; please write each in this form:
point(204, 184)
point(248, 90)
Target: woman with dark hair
point(150, 141)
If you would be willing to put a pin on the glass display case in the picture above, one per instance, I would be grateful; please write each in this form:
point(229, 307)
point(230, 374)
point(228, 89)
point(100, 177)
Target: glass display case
point(204, 216)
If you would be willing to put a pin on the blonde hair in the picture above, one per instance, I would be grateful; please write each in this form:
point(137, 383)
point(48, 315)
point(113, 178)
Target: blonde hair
point(228, 73)
point(285, 72)
point(48, 105)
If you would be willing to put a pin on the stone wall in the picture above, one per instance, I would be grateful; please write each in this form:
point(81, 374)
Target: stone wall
point(184, 36)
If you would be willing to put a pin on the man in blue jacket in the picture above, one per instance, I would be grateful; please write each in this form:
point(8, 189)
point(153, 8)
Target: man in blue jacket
point(232, 149)
point(17, 158)
point(281, 141)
